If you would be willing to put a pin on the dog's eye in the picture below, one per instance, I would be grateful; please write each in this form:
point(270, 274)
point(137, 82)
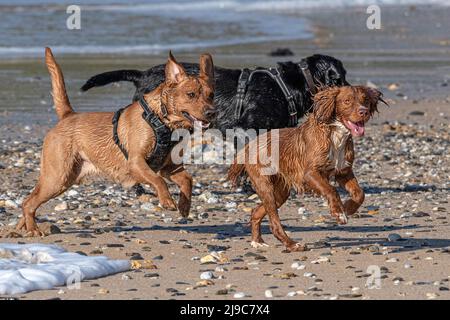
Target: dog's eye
point(191, 95)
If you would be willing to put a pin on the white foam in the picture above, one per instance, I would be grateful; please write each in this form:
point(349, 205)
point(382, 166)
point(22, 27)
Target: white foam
point(29, 267)
point(268, 5)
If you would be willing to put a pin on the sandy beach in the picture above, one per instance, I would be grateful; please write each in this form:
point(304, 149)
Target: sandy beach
point(402, 230)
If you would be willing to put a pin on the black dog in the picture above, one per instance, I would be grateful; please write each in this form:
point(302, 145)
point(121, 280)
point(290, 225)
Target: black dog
point(264, 105)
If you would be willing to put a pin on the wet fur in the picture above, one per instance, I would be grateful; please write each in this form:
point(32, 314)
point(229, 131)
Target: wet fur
point(81, 144)
point(308, 158)
point(264, 107)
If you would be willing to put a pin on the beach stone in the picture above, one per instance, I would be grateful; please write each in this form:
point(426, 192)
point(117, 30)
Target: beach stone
point(145, 264)
point(148, 206)
point(309, 275)
point(320, 260)
point(286, 275)
point(48, 228)
point(393, 237)
point(61, 206)
point(203, 215)
point(207, 275)
point(298, 266)
point(209, 197)
point(103, 291)
point(239, 295)
point(222, 292)
point(11, 204)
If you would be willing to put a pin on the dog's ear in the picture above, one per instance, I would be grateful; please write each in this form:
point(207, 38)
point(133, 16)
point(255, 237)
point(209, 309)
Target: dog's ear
point(207, 68)
point(174, 71)
point(325, 104)
point(373, 96)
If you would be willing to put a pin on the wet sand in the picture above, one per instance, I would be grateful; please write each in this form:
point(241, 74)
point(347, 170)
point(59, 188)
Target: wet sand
point(402, 163)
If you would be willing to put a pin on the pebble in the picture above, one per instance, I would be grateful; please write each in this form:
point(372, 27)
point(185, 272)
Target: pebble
point(208, 197)
point(222, 292)
point(61, 206)
point(393, 237)
point(148, 206)
point(203, 215)
point(207, 275)
point(239, 295)
point(309, 275)
point(11, 204)
point(298, 266)
point(320, 260)
point(103, 291)
point(72, 193)
point(432, 295)
point(268, 294)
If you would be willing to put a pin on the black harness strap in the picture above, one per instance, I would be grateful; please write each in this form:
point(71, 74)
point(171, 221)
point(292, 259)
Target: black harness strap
point(308, 77)
point(241, 89)
point(115, 122)
point(246, 77)
point(163, 135)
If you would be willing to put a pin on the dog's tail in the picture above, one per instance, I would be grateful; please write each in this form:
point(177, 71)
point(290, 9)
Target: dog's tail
point(236, 173)
point(105, 78)
point(59, 93)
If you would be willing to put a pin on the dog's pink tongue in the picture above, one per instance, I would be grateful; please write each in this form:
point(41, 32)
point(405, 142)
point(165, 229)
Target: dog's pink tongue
point(357, 129)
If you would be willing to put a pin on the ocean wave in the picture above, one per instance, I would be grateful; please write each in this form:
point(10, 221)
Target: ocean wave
point(232, 5)
point(138, 49)
point(272, 5)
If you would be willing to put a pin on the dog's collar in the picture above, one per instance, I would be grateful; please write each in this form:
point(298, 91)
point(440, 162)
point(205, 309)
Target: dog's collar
point(303, 65)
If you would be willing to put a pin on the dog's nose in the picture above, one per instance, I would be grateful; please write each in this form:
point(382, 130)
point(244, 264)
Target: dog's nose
point(363, 111)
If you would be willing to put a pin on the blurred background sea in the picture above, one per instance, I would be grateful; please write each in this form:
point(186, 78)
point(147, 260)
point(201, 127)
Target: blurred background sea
point(411, 49)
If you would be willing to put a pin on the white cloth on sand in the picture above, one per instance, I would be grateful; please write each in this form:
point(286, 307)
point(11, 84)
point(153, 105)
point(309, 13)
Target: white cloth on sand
point(29, 267)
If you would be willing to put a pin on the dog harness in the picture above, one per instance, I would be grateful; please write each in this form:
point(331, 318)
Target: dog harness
point(163, 134)
point(303, 65)
point(247, 74)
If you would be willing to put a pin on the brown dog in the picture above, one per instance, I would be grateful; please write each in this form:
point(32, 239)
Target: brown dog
point(308, 156)
point(82, 144)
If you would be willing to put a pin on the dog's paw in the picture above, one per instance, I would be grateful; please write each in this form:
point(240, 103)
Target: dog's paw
point(168, 204)
point(342, 218)
point(13, 235)
point(34, 233)
point(256, 245)
point(184, 208)
point(297, 247)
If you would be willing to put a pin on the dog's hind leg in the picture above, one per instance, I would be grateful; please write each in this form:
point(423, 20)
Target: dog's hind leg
point(269, 193)
point(59, 170)
point(281, 195)
point(257, 215)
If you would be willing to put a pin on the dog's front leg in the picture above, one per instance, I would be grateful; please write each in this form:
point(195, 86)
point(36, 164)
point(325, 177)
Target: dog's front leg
point(347, 180)
point(144, 174)
point(183, 180)
point(317, 182)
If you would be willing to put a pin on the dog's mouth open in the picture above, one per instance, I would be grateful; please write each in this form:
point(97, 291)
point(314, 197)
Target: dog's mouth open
point(192, 119)
point(356, 128)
